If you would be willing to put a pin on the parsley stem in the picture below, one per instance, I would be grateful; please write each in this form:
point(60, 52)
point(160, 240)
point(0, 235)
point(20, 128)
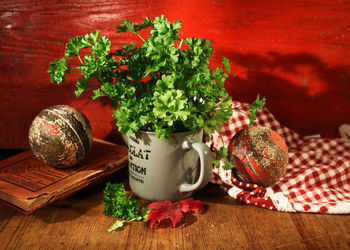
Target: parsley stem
point(242, 106)
point(222, 139)
point(238, 108)
point(140, 36)
point(81, 61)
point(181, 43)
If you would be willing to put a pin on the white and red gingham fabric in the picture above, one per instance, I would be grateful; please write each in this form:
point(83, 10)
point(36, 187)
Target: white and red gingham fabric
point(317, 178)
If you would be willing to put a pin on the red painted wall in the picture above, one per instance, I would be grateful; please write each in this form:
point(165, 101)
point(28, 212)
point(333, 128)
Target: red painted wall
point(296, 53)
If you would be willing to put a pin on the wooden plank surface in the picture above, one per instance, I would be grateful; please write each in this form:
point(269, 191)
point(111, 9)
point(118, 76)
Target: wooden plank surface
point(78, 222)
point(296, 53)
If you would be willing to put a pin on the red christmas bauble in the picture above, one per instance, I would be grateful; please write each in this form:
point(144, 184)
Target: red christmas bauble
point(259, 154)
point(60, 136)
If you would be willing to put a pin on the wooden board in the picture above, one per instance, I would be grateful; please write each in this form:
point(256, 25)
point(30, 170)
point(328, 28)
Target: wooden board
point(28, 184)
point(296, 53)
point(78, 223)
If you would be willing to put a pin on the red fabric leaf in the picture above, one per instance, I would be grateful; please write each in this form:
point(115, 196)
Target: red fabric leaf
point(175, 216)
point(166, 209)
point(190, 204)
point(163, 209)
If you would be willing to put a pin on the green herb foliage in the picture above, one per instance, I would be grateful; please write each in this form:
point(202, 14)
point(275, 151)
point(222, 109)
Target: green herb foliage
point(118, 204)
point(163, 85)
point(255, 107)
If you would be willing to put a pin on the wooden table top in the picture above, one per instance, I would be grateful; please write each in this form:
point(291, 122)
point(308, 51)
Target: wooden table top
point(78, 222)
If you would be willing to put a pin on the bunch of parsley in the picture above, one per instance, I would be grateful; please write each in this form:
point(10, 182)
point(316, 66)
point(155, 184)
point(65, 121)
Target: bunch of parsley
point(164, 85)
point(119, 204)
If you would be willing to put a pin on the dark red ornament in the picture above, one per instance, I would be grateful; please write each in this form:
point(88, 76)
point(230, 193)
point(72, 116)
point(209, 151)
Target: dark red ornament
point(259, 154)
point(60, 136)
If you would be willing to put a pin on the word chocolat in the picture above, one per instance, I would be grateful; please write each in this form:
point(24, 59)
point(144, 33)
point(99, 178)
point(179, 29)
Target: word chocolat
point(142, 154)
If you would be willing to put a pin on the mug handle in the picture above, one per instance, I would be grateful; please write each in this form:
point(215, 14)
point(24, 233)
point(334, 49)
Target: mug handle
point(206, 164)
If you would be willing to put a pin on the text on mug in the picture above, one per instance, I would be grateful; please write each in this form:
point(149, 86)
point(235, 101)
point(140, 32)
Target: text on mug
point(138, 169)
point(142, 154)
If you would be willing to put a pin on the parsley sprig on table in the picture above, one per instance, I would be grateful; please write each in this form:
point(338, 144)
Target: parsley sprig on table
point(119, 204)
point(164, 85)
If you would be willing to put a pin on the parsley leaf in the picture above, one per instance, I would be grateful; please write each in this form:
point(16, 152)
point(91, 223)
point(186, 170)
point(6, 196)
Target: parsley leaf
point(116, 225)
point(171, 106)
point(118, 203)
point(57, 70)
point(75, 44)
point(256, 105)
point(81, 85)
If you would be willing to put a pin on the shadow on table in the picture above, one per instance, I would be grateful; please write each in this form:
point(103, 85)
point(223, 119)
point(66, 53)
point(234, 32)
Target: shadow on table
point(214, 194)
point(187, 220)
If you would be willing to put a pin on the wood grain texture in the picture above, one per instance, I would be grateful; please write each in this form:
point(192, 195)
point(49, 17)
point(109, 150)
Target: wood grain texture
point(78, 222)
point(296, 53)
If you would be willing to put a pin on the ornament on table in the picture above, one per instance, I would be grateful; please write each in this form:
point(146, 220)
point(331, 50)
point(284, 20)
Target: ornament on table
point(60, 136)
point(259, 154)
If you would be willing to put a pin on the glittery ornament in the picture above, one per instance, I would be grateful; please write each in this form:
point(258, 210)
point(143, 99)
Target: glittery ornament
point(259, 154)
point(60, 136)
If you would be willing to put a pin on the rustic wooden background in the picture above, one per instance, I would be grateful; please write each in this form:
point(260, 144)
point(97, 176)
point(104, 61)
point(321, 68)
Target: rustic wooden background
point(296, 53)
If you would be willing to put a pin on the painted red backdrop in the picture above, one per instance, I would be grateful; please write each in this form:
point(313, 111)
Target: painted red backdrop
point(296, 53)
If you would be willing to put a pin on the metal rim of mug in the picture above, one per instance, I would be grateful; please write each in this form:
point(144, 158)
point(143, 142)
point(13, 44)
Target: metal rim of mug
point(174, 133)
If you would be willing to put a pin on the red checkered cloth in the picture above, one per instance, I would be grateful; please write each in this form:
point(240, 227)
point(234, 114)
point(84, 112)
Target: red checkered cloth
point(317, 177)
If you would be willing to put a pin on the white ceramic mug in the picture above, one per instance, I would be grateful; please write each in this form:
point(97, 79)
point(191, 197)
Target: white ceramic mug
point(168, 170)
